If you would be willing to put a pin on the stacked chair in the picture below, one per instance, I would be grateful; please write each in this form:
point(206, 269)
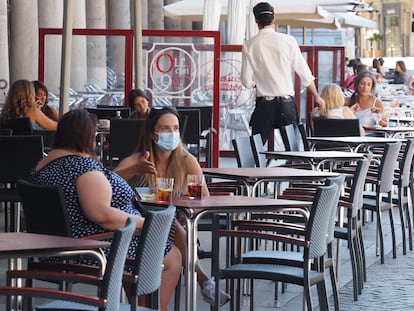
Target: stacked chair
point(312, 240)
point(380, 179)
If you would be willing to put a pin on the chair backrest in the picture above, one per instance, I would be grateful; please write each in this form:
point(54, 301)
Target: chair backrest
point(191, 133)
point(48, 136)
point(304, 137)
point(124, 135)
point(325, 127)
point(192, 130)
point(20, 126)
point(18, 155)
point(258, 147)
point(387, 167)
point(317, 227)
point(44, 202)
point(406, 163)
point(6, 131)
point(206, 117)
point(110, 112)
point(338, 180)
point(150, 250)
point(112, 280)
point(290, 138)
point(357, 188)
point(244, 152)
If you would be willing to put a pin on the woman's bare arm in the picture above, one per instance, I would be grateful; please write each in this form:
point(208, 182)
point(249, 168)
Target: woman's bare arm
point(95, 194)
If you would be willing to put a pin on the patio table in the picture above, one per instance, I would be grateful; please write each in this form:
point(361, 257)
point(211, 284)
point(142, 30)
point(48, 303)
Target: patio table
point(195, 209)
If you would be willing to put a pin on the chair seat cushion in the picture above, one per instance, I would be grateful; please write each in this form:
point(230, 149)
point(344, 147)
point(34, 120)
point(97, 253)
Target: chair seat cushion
point(288, 274)
point(73, 306)
point(273, 257)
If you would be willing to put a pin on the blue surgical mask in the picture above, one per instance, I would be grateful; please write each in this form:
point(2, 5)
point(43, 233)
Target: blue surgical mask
point(168, 141)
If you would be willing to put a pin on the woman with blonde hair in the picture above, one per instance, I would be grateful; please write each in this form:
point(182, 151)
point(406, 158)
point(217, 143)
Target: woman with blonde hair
point(21, 102)
point(334, 105)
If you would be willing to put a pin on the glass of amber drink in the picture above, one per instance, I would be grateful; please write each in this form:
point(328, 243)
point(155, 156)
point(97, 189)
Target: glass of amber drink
point(165, 187)
point(195, 185)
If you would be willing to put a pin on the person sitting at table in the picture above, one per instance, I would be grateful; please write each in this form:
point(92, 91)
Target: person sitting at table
point(97, 199)
point(377, 67)
point(334, 105)
point(378, 84)
point(138, 102)
point(400, 75)
point(358, 67)
point(363, 102)
point(161, 153)
point(409, 90)
point(21, 102)
point(42, 97)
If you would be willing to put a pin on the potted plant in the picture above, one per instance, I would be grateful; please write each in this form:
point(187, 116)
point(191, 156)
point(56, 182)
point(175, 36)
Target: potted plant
point(374, 36)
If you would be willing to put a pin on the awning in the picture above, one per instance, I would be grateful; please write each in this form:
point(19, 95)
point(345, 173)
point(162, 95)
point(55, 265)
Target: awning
point(352, 20)
point(192, 10)
point(330, 22)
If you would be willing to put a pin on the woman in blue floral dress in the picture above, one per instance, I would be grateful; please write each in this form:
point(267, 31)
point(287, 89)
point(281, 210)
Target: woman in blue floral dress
point(97, 199)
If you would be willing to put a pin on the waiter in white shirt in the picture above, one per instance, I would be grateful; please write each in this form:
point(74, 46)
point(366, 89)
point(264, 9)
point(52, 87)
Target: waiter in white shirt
point(268, 62)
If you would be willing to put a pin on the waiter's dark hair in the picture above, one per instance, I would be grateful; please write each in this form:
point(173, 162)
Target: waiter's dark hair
point(264, 14)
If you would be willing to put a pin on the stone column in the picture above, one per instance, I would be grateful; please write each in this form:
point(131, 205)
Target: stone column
point(78, 77)
point(4, 52)
point(96, 45)
point(51, 16)
point(118, 18)
point(23, 39)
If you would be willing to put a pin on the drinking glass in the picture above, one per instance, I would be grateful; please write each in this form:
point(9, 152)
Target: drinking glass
point(195, 185)
point(164, 187)
point(378, 118)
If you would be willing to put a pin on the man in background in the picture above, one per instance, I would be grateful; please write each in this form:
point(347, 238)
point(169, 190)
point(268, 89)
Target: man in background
point(268, 62)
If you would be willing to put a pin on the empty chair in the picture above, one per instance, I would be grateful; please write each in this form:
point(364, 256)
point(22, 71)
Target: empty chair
point(18, 155)
point(352, 232)
point(48, 136)
point(20, 126)
point(382, 182)
point(325, 127)
point(290, 137)
point(244, 152)
point(295, 258)
point(257, 147)
point(402, 180)
point(304, 136)
point(124, 135)
point(314, 248)
point(190, 134)
point(294, 139)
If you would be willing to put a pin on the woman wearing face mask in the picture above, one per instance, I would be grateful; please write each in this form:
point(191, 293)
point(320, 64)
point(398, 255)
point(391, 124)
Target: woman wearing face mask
point(161, 153)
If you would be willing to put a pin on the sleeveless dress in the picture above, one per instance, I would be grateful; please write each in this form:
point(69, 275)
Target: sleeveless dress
point(65, 171)
point(365, 116)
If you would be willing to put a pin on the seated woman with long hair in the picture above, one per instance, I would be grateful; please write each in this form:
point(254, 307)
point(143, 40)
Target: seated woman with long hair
point(161, 153)
point(334, 105)
point(21, 102)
